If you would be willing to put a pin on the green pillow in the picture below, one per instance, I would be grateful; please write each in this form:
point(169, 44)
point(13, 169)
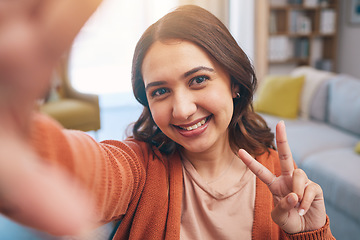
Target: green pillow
point(279, 96)
point(357, 148)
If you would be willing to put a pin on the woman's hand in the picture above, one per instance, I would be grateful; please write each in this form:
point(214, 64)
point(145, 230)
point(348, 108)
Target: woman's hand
point(299, 202)
point(33, 36)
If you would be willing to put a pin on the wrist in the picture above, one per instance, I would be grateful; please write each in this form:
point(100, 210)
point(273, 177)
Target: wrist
point(322, 233)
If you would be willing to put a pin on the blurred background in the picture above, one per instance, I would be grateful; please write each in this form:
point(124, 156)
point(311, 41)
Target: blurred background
point(277, 35)
point(101, 56)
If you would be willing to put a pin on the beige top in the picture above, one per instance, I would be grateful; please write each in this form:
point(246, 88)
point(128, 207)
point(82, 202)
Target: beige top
point(216, 210)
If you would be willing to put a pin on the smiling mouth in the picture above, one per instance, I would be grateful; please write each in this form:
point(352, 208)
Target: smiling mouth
point(196, 125)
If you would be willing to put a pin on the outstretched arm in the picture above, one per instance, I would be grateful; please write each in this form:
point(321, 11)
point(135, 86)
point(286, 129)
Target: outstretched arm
point(33, 36)
point(38, 195)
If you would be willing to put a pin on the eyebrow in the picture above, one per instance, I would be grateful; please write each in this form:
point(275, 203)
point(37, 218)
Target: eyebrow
point(197, 69)
point(154, 84)
point(185, 75)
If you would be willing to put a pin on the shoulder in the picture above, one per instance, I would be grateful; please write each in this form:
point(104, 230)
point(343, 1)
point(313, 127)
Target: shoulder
point(136, 149)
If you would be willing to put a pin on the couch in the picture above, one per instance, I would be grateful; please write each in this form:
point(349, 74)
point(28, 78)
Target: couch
point(71, 108)
point(324, 136)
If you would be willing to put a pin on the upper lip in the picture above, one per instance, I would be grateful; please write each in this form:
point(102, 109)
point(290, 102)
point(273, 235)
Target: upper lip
point(192, 123)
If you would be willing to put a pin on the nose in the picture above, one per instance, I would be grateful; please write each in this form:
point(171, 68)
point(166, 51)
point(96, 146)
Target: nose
point(184, 106)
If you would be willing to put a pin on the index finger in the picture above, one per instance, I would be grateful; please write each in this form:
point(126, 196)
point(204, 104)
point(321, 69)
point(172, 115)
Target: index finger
point(257, 168)
point(285, 156)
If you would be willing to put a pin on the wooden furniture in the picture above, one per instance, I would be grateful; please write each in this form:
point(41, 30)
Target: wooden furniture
point(295, 32)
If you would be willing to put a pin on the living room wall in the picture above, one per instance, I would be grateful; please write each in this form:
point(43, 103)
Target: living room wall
point(348, 45)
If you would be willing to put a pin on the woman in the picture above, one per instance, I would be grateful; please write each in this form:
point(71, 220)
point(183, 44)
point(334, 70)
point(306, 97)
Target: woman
point(182, 174)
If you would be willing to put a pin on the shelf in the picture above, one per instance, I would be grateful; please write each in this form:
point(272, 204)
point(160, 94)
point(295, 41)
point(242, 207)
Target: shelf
point(295, 7)
point(298, 35)
point(295, 34)
point(300, 61)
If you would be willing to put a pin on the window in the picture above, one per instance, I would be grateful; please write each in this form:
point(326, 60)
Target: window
point(102, 53)
point(101, 56)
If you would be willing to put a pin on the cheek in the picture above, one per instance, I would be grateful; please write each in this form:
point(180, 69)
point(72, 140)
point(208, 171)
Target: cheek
point(219, 99)
point(159, 114)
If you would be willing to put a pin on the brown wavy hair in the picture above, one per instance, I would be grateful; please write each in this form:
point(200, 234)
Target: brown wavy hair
point(247, 129)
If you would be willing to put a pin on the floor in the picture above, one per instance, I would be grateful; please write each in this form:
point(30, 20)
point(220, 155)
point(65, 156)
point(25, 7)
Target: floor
point(114, 120)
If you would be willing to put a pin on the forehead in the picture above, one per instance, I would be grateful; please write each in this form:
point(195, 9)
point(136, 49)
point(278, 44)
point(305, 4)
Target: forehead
point(173, 57)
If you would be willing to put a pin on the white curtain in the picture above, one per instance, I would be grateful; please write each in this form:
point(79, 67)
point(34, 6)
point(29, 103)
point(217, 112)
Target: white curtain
point(242, 24)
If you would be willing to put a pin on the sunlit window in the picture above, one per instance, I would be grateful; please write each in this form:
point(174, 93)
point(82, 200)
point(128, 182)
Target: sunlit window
point(101, 56)
point(102, 53)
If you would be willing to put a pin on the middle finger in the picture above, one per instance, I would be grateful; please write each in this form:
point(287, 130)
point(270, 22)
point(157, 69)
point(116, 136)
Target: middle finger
point(285, 156)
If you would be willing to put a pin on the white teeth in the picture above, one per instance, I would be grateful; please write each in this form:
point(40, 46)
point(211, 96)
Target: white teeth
point(195, 126)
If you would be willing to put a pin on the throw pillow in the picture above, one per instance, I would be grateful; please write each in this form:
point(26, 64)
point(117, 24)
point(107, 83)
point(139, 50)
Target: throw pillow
point(357, 148)
point(279, 96)
point(313, 79)
point(319, 102)
point(344, 103)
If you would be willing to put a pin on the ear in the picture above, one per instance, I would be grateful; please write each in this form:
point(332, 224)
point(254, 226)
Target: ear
point(235, 90)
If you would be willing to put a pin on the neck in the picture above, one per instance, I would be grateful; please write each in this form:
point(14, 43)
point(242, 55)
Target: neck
point(211, 164)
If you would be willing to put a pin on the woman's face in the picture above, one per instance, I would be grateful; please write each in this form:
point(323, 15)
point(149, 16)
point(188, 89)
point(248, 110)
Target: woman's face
point(189, 94)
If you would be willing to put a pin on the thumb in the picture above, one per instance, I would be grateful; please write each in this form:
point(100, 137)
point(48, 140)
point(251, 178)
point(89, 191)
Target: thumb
point(280, 213)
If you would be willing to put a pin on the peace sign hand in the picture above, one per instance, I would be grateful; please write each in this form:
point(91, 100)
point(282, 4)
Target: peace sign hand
point(299, 203)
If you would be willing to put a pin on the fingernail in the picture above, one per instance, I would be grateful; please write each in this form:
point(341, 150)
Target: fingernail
point(291, 200)
point(301, 212)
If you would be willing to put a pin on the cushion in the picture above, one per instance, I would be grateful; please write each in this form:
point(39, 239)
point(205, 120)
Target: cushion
point(279, 96)
point(71, 112)
point(307, 137)
point(357, 148)
point(318, 105)
point(344, 103)
point(313, 78)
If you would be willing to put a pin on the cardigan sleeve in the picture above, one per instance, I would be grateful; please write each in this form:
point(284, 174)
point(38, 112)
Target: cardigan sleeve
point(323, 233)
point(112, 171)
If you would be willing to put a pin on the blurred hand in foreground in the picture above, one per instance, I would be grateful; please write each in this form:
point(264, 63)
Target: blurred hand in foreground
point(34, 34)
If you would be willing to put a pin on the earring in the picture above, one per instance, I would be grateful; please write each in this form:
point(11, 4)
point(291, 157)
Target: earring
point(237, 95)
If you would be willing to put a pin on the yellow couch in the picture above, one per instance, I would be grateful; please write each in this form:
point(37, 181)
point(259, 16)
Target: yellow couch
point(71, 108)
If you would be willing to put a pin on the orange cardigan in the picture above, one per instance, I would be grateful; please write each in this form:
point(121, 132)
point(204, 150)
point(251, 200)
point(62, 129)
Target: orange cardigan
point(133, 182)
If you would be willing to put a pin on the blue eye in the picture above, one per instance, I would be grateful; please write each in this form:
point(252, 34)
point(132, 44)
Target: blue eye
point(198, 80)
point(159, 92)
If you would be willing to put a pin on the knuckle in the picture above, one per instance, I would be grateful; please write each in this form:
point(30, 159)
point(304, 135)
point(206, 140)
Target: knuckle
point(287, 173)
point(259, 172)
point(313, 187)
point(284, 156)
point(281, 141)
point(317, 188)
point(299, 171)
point(313, 190)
